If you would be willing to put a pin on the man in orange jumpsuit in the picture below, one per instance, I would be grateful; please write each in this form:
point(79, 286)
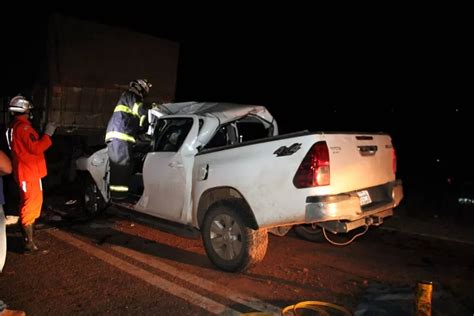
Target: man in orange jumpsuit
point(29, 165)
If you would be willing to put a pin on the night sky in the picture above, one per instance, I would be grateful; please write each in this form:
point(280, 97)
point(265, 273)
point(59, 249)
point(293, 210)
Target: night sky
point(406, 72)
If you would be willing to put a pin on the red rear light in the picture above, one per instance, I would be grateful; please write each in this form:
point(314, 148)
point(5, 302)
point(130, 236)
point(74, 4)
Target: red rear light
point(394, 161)
point(314, 169)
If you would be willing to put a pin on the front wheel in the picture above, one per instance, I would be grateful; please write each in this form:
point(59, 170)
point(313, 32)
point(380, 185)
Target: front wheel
point(93, 201)
point(229, 243)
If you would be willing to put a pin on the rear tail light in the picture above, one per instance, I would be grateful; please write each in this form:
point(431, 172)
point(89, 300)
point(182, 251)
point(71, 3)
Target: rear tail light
point(314, 169)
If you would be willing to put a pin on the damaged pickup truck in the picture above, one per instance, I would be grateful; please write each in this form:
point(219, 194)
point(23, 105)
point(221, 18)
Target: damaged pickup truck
point(223, 170)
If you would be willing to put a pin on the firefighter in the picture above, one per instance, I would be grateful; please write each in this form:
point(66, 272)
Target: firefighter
point(130, 119)
point(29, 165)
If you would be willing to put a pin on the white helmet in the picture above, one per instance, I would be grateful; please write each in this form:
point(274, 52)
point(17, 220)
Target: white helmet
point(20, 105)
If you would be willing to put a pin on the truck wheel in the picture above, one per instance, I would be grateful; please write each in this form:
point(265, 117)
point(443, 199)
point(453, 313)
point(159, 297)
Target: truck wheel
point(308, 232)
point(229, 243)
point(93, 202)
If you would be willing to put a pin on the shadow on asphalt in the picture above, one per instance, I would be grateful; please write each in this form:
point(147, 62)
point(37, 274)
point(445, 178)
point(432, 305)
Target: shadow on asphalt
point(100, 230)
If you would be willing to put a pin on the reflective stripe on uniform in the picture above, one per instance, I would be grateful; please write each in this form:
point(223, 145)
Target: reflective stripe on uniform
point(9, 135)
point(142, 120)
point(118, 188)
point(126, 109)
point(135, 109)
point(118, 135)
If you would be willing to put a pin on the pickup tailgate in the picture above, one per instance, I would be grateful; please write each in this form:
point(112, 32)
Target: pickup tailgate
point(263, 173)
point(359, 161)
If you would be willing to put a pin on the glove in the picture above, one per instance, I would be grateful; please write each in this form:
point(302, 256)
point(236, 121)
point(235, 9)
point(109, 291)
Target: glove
point(50, 128)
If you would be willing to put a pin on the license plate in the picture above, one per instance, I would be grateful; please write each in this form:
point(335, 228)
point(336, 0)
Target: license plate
point(364, 197)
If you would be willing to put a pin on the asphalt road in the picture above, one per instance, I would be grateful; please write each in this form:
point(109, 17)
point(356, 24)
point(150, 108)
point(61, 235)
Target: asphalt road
point(112, 265)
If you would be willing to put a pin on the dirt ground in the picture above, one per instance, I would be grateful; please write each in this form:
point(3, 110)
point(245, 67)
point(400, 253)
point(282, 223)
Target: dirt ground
point(65, 280)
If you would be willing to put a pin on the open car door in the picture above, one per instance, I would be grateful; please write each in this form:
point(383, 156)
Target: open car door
point(167, 170)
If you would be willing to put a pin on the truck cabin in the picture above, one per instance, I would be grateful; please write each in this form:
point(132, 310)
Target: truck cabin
point(240, 131)
point(169, 133)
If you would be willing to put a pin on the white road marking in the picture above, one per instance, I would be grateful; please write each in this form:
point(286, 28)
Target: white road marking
point(163, 284)
point(200, 282)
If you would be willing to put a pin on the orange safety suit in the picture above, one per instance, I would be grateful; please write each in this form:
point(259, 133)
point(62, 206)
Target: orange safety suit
point(29, 166)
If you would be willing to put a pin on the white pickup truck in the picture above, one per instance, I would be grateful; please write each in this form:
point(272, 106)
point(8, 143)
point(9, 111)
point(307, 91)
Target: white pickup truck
point(223, 170)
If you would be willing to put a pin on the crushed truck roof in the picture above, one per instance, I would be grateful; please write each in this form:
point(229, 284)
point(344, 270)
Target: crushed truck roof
point(224, 112)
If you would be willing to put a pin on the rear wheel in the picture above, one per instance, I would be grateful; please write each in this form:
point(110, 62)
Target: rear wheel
point(229, 243)
point(93, 201)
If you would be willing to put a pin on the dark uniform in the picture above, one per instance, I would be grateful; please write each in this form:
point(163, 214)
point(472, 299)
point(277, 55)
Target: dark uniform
point(127, 122)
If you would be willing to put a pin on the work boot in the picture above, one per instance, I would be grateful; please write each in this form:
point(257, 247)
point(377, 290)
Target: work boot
point(23, 233)
point(28, 238)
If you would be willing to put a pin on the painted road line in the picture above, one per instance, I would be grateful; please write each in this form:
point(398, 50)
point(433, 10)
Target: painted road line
point(163, 284)
point(200, 282)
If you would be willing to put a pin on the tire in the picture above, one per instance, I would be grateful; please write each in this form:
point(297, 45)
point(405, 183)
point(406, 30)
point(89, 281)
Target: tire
point(93, 201)
point(229, 243)
point(308, 232)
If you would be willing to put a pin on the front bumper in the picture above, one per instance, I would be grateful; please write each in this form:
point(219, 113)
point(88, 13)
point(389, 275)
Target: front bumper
point(342, 212)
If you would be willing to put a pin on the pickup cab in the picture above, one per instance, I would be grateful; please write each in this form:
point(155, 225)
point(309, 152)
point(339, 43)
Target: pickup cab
point(223, 170)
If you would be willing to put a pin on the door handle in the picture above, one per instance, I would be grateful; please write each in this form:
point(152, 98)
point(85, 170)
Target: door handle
point(175, 164)
point(203, 172)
